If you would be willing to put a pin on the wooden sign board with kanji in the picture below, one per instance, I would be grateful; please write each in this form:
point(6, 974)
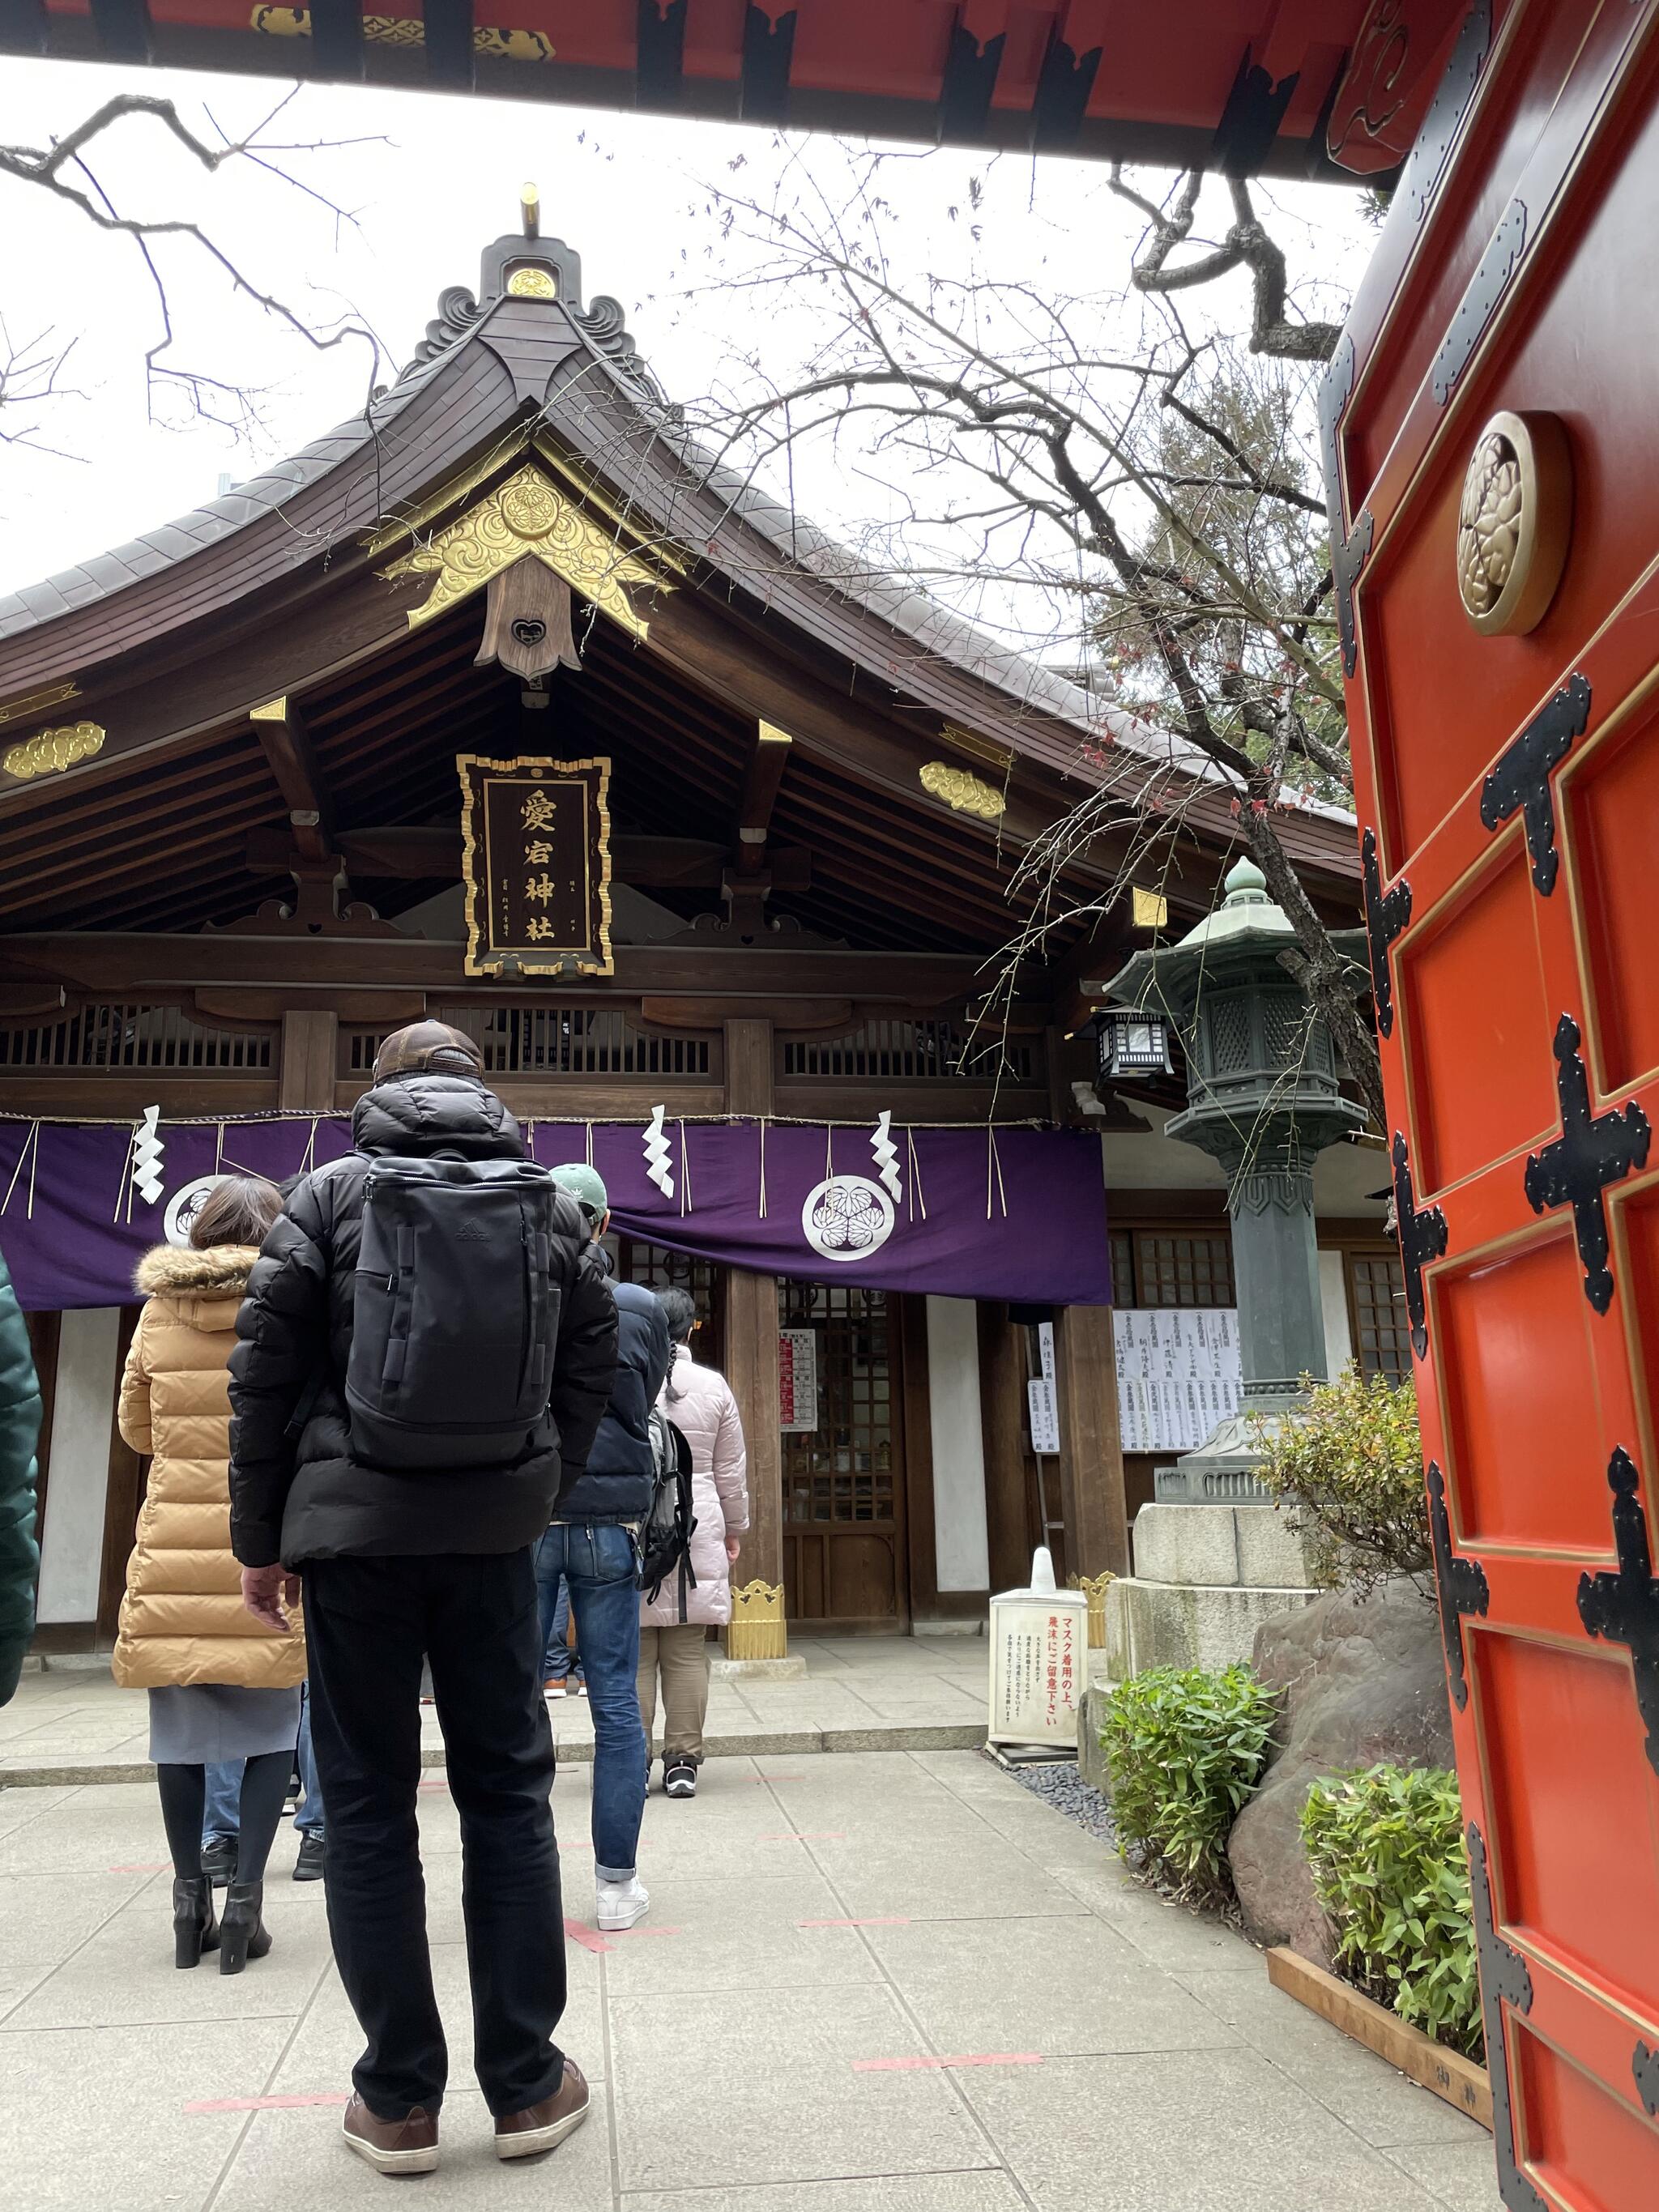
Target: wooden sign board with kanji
point(536, 855)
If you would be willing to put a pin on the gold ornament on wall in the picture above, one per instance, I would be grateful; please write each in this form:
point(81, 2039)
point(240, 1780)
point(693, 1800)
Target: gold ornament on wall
point(962, 791)
point(527, 283)
point(1513, 523)
point(48, 752)
point(526, 514)
point(274, 22)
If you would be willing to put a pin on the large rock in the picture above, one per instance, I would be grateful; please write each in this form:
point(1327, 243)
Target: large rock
point(1364, 1681)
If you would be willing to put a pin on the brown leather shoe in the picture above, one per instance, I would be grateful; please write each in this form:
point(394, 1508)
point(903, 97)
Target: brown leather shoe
point(545, 2126)
point(405, 2145)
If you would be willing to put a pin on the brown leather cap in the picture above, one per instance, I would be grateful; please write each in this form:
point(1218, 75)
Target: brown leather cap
point(426, 1047)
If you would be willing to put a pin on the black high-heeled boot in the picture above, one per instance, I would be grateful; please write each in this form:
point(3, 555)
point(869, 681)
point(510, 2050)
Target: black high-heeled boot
point(194, 1929)
point(242, 1931)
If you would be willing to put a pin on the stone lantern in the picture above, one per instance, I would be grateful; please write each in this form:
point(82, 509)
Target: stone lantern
point(1263, 1099)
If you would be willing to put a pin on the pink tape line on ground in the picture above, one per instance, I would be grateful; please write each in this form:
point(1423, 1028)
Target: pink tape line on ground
point(920, 2065)
point(584, 1936)
point(269, 2103)
point(159, 1866)
point(806, 1836)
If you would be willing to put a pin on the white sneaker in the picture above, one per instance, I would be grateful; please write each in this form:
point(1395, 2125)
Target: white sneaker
point(620, 1903)
point(554, 1690)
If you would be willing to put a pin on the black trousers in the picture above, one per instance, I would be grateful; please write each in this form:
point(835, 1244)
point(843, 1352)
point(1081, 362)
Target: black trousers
point(369, 1624)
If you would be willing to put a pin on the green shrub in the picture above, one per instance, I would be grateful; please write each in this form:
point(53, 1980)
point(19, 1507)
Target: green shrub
point(1348, 1473)
point(1391, 1869)
point(1185, 1750)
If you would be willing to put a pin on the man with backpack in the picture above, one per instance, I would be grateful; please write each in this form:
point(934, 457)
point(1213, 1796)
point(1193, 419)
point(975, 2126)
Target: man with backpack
point(426, 1349)
point(593, 1544)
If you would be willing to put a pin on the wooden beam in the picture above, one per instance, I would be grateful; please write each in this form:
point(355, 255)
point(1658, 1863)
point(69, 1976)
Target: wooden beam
point(280, 727)
point(415, 854)
point(94, 960)
point(306, 1078)
point(1002, 1423)
point(1092, 1504)
point(750, 1327)
point(763, 773)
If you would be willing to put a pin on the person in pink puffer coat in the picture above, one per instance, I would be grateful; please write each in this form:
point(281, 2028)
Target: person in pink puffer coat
point(700, 1404)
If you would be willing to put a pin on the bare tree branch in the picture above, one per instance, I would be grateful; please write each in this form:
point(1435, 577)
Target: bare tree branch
point(63, 169)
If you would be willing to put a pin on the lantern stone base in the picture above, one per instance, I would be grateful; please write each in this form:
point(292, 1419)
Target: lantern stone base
point(1183, 1625)
point(1205, 1578)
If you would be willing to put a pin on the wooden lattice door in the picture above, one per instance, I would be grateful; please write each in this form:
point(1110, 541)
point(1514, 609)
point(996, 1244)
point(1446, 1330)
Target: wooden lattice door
point(1491, 426)
point(844, 1554)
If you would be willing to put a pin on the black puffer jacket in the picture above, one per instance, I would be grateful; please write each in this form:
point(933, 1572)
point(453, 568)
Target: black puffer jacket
point(302, 1496)
point(616, 1483)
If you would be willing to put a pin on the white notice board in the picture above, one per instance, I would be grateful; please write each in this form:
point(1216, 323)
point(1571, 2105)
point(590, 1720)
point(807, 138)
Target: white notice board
point(1042, 1396)
point(797, 1379)
point(1039, 1666)
point(1178, 1374)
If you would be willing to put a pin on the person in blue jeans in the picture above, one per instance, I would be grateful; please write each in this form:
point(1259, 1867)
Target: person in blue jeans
point(561, 1668)
point(591, 1545)
point(224, 1789)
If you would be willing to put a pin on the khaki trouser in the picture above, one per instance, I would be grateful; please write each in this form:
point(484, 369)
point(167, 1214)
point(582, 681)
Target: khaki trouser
point(682, 1653)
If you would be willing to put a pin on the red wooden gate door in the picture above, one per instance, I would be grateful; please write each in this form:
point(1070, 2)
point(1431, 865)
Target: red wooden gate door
point(1493, 437)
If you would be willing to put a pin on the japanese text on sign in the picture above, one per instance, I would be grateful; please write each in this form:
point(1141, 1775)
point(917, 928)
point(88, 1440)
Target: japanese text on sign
point(797, 1379)
point(535, 844)
point(1178, 1374)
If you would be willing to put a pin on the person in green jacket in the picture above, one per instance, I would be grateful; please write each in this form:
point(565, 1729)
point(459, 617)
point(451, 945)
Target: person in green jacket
point(19, 1426)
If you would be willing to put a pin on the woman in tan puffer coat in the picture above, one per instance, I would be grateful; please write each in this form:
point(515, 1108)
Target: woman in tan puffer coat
point(221, 1686)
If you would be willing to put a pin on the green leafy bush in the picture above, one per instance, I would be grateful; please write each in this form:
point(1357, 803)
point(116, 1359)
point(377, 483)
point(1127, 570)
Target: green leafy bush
point(1391, 1869)
point(1348, 1473)
point(1185, 1751)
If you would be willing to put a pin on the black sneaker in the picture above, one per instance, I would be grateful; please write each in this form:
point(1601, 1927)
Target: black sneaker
point(680, 1778)
point(219, 1861)
point(308, 1867)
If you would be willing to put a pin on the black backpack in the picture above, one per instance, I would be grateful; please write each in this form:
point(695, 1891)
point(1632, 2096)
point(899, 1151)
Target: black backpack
point(666, 1537)
point(455, 1314)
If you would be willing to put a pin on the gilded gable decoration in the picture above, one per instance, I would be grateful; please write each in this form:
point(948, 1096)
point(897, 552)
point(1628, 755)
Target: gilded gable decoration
point(527, 514)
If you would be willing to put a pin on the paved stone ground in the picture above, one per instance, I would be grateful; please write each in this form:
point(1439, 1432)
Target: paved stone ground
point(888, 1693)
point(891, 1982)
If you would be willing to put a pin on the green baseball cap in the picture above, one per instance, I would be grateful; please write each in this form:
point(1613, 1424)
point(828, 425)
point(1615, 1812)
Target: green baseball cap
point(586, 1186)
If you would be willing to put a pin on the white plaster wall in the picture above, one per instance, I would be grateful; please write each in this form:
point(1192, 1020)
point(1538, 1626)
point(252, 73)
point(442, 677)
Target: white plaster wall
point(72, 1542)
point(960, 1544)
point(1333, 1304)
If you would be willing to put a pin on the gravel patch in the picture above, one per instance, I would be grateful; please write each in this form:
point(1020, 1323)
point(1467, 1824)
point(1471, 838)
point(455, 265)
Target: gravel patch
point(1062, 1786)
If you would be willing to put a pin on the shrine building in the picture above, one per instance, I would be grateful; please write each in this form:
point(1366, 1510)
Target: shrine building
point(502, 704)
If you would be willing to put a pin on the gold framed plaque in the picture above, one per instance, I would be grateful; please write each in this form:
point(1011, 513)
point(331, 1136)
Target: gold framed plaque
point(536, 858)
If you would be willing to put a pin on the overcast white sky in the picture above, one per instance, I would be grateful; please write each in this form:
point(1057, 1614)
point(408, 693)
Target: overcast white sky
point(440, 178)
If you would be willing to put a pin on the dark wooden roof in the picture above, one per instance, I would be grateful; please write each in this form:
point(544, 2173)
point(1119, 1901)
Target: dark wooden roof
point(1254, 86)
point(280, 587)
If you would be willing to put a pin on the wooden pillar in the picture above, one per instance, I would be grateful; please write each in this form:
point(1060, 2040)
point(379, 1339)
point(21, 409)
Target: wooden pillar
point(305, 1081)
point(1090, 1454)
point(1002, 1417)
point(751, 1328)
point(752, 1369)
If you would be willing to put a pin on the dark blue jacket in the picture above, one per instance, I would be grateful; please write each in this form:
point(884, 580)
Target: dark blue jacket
point(616, 1483)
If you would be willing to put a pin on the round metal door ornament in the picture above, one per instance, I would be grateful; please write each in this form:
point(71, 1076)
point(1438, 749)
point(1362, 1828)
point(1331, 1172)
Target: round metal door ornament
point(1513, 523)
point(846, 1217)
